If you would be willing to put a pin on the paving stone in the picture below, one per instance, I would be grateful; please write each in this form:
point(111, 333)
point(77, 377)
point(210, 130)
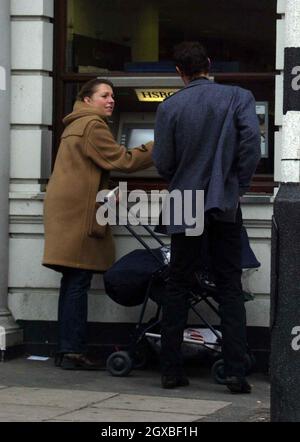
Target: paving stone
point(93, 414)
point(69, 399)
point(196, 407)
point(26, 413)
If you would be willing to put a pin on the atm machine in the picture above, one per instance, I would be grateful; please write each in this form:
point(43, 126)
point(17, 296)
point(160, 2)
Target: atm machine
point(135, 129)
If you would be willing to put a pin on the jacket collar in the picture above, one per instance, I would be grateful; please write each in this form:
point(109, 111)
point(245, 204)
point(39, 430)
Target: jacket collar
point(80, 110)
point(198, 81)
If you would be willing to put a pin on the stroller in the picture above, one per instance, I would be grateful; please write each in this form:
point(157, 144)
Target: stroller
point(139, 277)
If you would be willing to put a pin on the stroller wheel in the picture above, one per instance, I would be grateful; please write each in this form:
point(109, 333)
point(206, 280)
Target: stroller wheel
point(217, 371)
point(119, 363)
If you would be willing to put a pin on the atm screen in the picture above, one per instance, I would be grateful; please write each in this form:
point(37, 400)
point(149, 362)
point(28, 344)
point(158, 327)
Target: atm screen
point(134, 135)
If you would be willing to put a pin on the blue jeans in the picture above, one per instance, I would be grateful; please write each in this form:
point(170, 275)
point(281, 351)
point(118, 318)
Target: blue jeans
point(72, 310)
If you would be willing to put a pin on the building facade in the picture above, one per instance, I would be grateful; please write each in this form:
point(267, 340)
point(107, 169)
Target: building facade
point(48, 60)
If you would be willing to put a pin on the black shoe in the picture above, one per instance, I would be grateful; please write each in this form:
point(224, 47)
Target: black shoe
point(237, 385)
point(78, 361)
point(173, 381)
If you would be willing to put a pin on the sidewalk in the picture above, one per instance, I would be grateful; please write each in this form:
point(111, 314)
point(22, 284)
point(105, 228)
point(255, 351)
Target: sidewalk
point(35, 391)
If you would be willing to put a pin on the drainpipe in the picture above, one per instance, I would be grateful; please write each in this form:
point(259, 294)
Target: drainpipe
point(285, 274)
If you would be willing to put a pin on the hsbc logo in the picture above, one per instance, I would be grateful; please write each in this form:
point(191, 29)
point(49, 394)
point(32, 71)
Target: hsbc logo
point(154, 94)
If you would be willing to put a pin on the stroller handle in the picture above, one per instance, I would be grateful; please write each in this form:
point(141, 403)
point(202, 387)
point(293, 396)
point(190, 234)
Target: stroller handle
point(111, 200)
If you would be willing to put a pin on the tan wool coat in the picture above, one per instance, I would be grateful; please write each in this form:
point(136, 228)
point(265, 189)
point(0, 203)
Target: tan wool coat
point(86, 155)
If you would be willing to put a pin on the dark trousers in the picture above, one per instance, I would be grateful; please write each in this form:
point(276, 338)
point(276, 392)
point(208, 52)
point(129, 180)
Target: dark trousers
point(187, 254)
point(72, 310)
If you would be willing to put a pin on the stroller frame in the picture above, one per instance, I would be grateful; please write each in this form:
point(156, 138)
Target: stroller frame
point(120, 363)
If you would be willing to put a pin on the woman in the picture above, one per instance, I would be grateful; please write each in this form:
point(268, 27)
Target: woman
point(75, 244)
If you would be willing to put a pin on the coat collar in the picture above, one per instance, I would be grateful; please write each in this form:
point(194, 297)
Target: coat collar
point(197, 82)
point(80, 110)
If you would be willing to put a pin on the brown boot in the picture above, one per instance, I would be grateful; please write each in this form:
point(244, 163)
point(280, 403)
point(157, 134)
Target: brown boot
point(79, 361)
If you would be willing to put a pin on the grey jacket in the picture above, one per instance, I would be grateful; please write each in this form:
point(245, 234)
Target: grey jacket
point(207, 137)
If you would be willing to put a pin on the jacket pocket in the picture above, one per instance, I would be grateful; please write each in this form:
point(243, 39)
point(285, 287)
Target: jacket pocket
point(96, 230)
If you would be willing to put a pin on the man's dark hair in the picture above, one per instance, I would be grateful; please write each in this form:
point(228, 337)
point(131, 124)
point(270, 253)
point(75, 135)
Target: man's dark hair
point(191, 58)
point(90, 87)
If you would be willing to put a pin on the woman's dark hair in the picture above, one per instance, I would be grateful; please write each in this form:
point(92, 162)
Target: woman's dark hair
point(191, 58)
point(89, 88)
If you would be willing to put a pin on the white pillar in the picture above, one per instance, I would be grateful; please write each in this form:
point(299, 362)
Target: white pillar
point(30, 165)
point(10, 333)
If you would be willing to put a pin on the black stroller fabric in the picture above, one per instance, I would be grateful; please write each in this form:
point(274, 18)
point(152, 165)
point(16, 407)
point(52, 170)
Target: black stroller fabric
point(249, 260)
point(126, 282)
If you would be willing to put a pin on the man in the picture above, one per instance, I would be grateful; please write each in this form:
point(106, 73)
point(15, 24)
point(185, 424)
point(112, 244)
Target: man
point(206, 138)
